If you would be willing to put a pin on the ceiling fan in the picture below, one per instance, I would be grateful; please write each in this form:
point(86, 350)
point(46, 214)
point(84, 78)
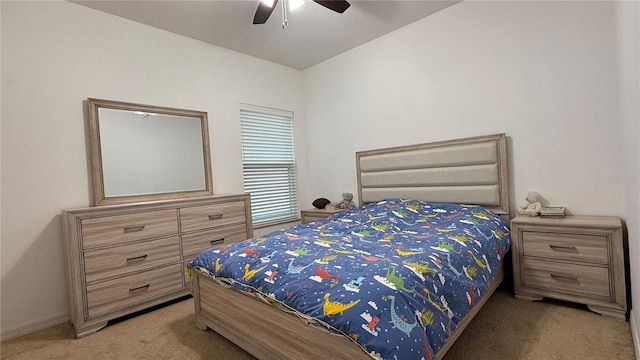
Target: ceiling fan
point(265, 8)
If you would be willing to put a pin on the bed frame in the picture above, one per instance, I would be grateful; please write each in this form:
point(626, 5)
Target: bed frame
point(469, 171)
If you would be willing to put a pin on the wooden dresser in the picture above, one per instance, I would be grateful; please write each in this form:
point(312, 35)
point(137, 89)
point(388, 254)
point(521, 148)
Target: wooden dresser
point(125, 258)
point(577, 258)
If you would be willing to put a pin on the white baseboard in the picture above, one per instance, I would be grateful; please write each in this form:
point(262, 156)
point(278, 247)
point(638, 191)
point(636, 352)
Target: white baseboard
point(634, 334)
point(35, 325)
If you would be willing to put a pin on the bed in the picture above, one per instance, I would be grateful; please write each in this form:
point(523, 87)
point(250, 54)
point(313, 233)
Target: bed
point(400, 276)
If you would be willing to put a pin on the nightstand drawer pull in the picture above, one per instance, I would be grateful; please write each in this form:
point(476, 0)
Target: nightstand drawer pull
point(564, 276)
point(133, 228)
point(143, 287)
point(215, 216)
point(217, 241)
point(141, 257)
point(563, 247)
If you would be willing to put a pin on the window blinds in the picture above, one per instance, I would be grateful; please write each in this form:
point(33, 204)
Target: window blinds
point(268, 164)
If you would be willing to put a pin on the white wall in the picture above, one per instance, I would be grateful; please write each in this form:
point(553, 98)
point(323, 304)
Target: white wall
point(541, 72)
point(628, 43)
point(559, 78)
point(56, 54)
point(545, 73)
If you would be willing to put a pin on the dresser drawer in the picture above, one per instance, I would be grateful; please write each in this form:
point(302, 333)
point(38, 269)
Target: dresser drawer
point(120, 260)
point(195, 243)
point(111, 230)
point(111, 295)
point(561, 246)
point(567, 278)
point(209, 216)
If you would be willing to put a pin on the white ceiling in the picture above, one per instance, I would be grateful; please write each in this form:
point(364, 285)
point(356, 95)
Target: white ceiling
point(314, 33)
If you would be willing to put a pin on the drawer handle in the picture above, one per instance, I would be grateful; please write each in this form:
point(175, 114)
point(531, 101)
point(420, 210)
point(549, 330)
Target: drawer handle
point(564, 276)
point(141, 257)
point(215, 216)
point(132, 228)
point(217, 241)
point(564, 247)
point(143, 287)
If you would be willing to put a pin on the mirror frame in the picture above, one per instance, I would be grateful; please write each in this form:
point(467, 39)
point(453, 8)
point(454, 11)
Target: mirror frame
point(99, 196)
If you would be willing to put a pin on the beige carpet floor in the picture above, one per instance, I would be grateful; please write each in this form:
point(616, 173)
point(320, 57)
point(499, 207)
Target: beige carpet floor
point(505, 328)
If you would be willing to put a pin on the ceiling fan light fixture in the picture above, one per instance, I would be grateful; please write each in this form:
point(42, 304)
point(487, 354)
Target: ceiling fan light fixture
point(294, 4)
point(268, 3)
point(266, 7)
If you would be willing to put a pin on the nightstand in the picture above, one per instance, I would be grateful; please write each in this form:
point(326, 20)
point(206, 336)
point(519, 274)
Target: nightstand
point(576, 258)
point(311, 215)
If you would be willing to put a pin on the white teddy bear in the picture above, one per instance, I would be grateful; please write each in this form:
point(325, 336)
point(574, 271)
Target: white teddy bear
point(533, 205)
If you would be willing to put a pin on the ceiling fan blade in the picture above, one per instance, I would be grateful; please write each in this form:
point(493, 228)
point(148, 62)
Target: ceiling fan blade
point(263, 12)
point(335, 5)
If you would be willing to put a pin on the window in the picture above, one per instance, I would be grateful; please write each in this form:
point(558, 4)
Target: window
point(268, 164)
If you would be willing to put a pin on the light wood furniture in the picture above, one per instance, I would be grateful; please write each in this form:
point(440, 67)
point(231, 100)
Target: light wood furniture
point(127, 174)
point(268, 333)
point(310, 215)
point(577, 258)
point(125, 258)
point(464, 171)
point(282, 335)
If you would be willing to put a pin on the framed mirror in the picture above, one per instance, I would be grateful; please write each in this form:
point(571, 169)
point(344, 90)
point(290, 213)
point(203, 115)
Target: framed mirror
point(146, 152)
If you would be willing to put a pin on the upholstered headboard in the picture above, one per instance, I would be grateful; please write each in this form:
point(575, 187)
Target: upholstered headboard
point(467, 171)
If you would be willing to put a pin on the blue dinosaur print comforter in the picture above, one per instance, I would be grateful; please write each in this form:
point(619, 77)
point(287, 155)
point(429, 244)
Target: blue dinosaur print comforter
point(395, 276)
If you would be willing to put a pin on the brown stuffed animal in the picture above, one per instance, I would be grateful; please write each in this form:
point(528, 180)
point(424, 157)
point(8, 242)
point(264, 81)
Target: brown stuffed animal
point(347, 201)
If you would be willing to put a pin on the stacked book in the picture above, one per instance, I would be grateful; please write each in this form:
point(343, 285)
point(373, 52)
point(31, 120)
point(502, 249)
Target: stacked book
point(552, 212)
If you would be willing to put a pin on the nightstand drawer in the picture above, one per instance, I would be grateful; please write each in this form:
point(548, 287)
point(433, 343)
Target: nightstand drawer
point(311, 215)
point(564, 246)
point(310, 219)
point(121, 260)
point(567, 278)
